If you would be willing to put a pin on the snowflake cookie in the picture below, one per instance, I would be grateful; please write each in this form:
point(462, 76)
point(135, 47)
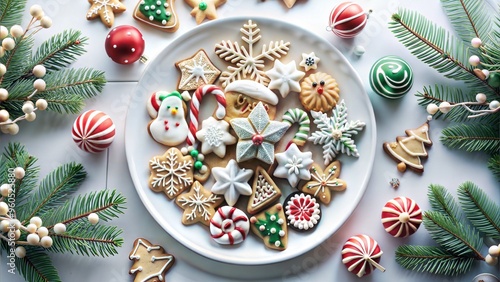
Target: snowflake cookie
point(248, 62)
point(151, 262)
point(232, 181)
point(171, 173)
point(335, 133)
point(302, 211)
point(309, 61)
point(285, 77)
point(106, 10)
point(199, 204)
point(257, 135)
point(196, 71)
point(214, 137)
point(293, 165)
point(323, 181)
point(265, 191)
point(270, 225)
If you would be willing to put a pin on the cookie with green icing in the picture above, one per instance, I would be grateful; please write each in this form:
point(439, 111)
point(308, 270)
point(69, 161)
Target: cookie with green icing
point(159, 14)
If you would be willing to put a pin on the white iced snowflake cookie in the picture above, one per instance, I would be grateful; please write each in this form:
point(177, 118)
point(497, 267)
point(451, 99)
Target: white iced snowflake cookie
point(309, 61)
point(232, 181)
point(294, 165)
point(285, 77)
point(214, 137)
point(170, 127)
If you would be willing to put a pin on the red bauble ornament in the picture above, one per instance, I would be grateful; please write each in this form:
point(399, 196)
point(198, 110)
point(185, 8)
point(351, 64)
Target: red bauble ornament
point(93, 131)
point(124, 44)
point(401, 217)
point(361, 255)
point(347, 19)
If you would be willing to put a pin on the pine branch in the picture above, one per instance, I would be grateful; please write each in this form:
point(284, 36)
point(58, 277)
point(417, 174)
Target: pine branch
point(432, 259)
point(494, 165)
point(85, 239)
point(482, 212)
point(453, 236)
point(84, 82)
point(443, 202)
point(107, 204)
point(436, 47)
point(54, 189)
point(475, 137)
point(11, 12)
point(16, 61)
point(62, 103)
point(37, 266)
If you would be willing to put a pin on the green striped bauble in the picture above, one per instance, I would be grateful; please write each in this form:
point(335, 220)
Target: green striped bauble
point(391, 77)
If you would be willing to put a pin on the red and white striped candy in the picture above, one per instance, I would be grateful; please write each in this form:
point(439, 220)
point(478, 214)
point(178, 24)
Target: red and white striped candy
point(93, 131)
point(401, 217)
point(347, 19)
point(361, 254)
point(154, 103)
point(194, 108)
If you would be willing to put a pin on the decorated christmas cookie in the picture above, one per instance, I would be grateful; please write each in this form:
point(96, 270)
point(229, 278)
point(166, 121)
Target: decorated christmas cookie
point(199, 204)
point(285, 77)
point(242, 96)
point(171, 173)
point(170, 127)
point(323, 181)
point(391, 77)
point(270, 225)
point(204, 9)
point(309, 61)
point(214, 137)
point(248, 62)
point(407, 150)
point(401, 217)
point(257, 135)
point(232, 181)
point(297, 115)
point(302, 211)
point(320, 92)
point(335, 133)
point(196, 71)
point(159, 14)
point(106, 10)
point(293, 165)
point(361, 255)
point(289, 3)
point(151, 262)
point(229, 226)
point(264, 191)
point(93, 131)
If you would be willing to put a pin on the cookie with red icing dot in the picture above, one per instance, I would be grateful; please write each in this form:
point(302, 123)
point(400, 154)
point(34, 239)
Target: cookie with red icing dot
point(401, 217)
point(302, 211)
point(229, 226)
point(320, 92)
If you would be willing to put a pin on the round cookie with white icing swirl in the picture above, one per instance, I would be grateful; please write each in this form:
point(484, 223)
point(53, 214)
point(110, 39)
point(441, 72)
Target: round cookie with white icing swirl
point(229, 226)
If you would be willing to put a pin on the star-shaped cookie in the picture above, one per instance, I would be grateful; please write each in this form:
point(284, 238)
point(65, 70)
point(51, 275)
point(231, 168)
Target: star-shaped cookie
point(199, 204)
point(323, 181)
point(232, 181)
point(285, 77)
point(196, 71)
point(214, 136)
point(106, 10)
point(204, 9)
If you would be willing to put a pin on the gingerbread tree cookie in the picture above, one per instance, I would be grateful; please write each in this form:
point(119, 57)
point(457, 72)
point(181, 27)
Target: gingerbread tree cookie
point(265, 191)
point(270, 225)
point(407, 150)
point(151, 262)
point(199, 204)
point(324, 181)
point(159, 14)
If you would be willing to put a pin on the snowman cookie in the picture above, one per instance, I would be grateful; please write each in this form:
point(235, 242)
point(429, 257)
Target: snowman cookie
point(170, 127)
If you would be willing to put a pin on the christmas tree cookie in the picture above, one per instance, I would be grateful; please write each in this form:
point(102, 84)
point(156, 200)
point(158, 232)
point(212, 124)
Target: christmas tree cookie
point(270, 225)
point(159, 14)
point(151, 262)
point(264, 193)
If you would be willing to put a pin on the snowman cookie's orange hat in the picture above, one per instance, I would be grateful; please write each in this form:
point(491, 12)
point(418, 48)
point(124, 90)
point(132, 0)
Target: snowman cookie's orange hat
point(254, 90)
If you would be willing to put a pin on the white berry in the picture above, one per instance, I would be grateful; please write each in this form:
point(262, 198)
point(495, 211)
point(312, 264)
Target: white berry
point(4, 115)
point(3, 32)
point(46, 242)
point(13, 129)
point(432, 109)
point(203, 169)
point(480, 98)
point(474, 60)
point(2, 52)
point(30, 117)
point(3, 70)
point(494, 251)
point(4, 208)
point(4, 225)
point(46, 22)
point(494, 105)
point(36, 11)
point(184, 151)
point(31, 228)
point(486, 73)
point(20, 252)
point(93, 218)
point(39, 84)
point(42, 231)
point(36, 221)
point(476, 42)
point(19, 172)
point(16, 31)
point(8, 44)
point(39, 71)
point(200, 157)
point(444, 107)
point(5, 190)
point(491, 260)
point(33, 239)
point(41, 104)
point(60, 228)
point(16, 223)
point(28, 107)
point(359, 50)
point(4, 94)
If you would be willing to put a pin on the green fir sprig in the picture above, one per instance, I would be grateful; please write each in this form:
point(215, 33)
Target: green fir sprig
point(458, 229)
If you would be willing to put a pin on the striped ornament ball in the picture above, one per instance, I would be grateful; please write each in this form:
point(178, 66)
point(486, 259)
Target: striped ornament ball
point(93, 131)
point(347, 19)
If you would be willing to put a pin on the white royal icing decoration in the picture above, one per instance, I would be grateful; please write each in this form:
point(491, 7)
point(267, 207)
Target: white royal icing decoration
point(253, 90)
point(170, 127)
point(285, 77)
point(214, 136)
point(229, 226)
point(294, 165)
point(134, 256)
point(309, 61)
point(232, 181)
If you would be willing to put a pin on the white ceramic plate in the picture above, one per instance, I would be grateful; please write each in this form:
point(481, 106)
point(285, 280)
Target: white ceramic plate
point(161, 74)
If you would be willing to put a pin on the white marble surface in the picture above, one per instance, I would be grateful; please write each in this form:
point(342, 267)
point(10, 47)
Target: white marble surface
point(49, 138)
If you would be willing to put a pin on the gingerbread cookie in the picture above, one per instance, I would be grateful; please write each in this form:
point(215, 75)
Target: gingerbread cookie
point(320, 92)
point(264, 191)
point(204, 9)
point(171, 173)
point(170, 127)
point(270, 226)
point(232, 181)
point(324, 181)
point(285, 77)
point(302, 211)
point(159, 14)
point(229, 226)
point(151, 262)
point(106, 10)
point(196, 71)
point(199, 204)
